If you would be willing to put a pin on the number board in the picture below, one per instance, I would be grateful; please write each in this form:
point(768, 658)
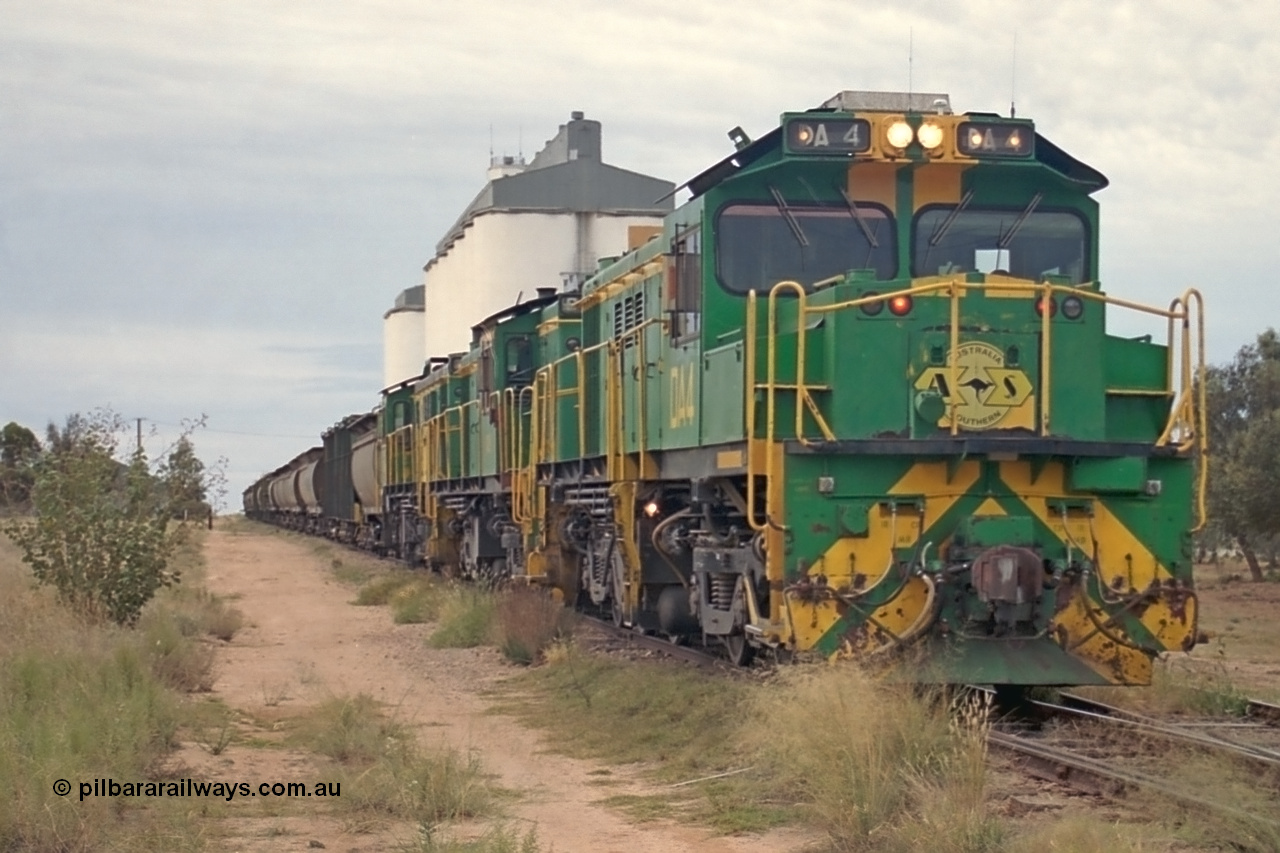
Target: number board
point(828, 136)
point(995, 140)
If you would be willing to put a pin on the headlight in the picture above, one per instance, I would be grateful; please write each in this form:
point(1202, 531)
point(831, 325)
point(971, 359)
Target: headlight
point(930, 136)
point(1072, 307)
point(899, 134)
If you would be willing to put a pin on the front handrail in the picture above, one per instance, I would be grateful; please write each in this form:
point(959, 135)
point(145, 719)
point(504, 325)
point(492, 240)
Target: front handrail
point(1185, 428)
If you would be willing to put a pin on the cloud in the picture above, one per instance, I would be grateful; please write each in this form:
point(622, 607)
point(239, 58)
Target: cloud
point(207, 207)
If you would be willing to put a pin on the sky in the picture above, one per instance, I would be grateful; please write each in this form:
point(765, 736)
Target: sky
point(206, 208)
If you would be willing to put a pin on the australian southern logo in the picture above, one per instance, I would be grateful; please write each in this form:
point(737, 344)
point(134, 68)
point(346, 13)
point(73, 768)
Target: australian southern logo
point(987, 394)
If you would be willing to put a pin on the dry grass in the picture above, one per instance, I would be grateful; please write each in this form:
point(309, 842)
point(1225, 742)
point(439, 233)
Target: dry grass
point(879, 767)
point(1179, 686)
point(1244, 815)
point(379, 590)
point(418, 601)
point(382, 771)
point(79, 701)
point(500, 839)
point(1075, 833)
point(528, 621)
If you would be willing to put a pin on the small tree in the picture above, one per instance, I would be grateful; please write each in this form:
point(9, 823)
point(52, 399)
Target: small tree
point(1244, 447)
point(19, 450)
point(184, 479)
point(101, 534)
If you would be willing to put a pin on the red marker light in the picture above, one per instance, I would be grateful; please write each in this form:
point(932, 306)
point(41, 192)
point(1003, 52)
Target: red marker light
point(900, 306)
point(1053, 306)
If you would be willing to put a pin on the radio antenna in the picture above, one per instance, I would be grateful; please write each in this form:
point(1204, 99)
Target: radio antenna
point(911, 46)
point(1013, 79)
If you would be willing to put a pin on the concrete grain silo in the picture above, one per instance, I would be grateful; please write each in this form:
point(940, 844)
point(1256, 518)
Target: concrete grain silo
point(403, 347)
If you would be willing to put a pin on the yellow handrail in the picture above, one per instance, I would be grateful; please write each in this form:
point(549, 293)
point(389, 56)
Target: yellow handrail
point(1187, 421)
point(751, 387)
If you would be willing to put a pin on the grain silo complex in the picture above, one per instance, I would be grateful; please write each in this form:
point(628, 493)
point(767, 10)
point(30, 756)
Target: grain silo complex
point(541, 224)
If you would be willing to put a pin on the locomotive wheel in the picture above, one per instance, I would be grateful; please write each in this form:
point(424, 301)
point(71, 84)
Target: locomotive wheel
point(741, 653)
point(615, 608)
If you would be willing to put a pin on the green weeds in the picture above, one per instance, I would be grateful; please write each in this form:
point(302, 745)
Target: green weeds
point(466, 618)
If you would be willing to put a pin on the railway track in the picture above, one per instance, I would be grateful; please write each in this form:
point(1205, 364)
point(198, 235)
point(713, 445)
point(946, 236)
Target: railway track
point(1101, 749)
point(1097, 776)
point(1187, 732)
point(637, 640)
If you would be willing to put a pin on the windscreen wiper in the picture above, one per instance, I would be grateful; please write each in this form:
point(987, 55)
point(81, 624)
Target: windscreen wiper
point(945, 225)
point(857, 215)
point(792, 222)
point(1006, 238)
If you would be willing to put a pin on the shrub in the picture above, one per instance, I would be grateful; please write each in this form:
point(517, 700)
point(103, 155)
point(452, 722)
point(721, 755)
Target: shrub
point(101, 535)
point(528, 621)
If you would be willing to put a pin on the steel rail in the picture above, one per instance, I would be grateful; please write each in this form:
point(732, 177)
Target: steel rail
point(1089, 709)
point(685, 653)
point(1267, 712)
point(1101, 770)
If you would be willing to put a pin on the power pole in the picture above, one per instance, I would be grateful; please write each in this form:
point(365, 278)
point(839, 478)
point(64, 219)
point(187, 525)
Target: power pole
point(139, 434)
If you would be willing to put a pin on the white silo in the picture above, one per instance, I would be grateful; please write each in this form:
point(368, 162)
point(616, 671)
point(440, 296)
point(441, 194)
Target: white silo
point(404, 346)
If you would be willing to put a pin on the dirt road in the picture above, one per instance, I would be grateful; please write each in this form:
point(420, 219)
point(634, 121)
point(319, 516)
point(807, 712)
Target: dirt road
point(304, 642)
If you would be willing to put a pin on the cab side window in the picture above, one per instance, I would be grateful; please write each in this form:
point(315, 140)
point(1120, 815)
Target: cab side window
point(684, 283)
point(519, 362)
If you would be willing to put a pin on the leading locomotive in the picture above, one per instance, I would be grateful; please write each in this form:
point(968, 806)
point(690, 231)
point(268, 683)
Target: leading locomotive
point(856, 396)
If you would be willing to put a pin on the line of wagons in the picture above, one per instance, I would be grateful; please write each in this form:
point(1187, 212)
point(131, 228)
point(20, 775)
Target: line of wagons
point(330, 490)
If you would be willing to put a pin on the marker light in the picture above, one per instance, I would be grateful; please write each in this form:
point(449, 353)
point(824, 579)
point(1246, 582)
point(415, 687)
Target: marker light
point(930, 136)
point(1072, 307)
point(651, 509)
point(899, 134)
point(1053, 306)
point(900, 306)
point(871, 309)
point(804, 134)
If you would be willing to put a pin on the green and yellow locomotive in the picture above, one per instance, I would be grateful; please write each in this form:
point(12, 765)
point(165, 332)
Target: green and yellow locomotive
point(857, 397)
